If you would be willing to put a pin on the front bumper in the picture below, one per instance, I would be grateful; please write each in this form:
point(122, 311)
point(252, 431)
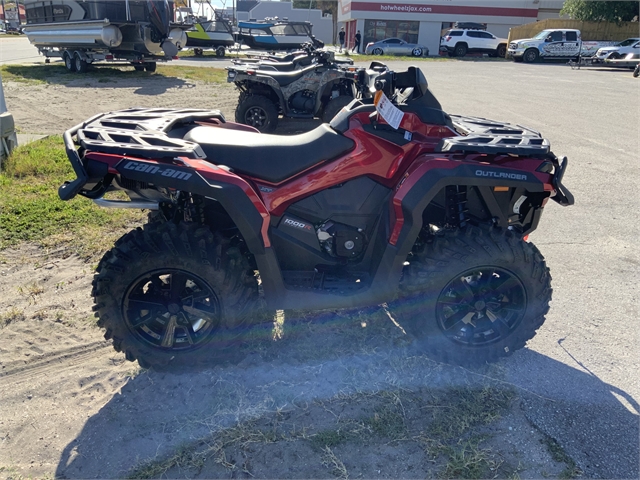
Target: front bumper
point(515, 52)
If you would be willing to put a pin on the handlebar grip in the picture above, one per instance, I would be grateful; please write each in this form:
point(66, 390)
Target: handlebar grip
point(380, 84)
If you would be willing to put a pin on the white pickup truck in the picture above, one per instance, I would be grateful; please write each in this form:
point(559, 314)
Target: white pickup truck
point(553, 44)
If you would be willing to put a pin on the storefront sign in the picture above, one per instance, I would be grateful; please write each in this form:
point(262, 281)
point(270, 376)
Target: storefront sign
point(442, 9)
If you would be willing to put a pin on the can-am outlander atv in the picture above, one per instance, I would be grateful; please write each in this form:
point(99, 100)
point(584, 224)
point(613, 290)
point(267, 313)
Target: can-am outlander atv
point(431, 218)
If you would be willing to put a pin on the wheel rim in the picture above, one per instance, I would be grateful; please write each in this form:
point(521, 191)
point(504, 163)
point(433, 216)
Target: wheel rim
point(501, 51)
point(531, 56)
point(171, 309)
point(481, 306)
point(377, 51)
point(460, 51)
point(78, 64)
point(256, 117)
point(417, 52)
point(67, 62)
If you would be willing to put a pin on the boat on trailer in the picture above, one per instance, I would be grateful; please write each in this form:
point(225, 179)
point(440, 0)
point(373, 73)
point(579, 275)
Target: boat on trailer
point(275, 34)
point(207, 33)
point(83, 32)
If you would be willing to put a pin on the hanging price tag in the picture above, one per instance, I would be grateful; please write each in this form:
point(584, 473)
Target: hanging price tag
point(387, 110)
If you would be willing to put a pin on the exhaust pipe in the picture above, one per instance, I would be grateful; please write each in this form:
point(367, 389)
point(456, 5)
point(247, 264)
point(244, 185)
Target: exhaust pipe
point(136, 204)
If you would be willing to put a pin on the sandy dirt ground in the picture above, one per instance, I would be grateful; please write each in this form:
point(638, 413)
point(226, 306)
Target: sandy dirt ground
point(74, 408)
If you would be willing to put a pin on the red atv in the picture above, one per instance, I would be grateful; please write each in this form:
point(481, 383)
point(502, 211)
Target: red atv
point(431, 217)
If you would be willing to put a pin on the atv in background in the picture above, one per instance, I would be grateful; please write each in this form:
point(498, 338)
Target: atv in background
point(431, 217)
point(319, 90)
point(292, 61)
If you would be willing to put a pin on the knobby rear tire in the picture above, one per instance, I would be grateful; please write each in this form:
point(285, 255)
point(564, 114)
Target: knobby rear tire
point(266, 118)
point(186, 248)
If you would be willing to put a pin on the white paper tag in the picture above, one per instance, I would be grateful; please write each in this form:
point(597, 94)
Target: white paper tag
point(387, 110)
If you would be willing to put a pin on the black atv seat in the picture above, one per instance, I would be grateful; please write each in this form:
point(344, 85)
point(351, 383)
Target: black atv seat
point(273, 158)
point(285, 78)
point(277, 66)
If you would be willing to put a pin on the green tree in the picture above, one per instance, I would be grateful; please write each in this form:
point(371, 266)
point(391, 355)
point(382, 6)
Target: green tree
point(601, 11)
point(327, 6)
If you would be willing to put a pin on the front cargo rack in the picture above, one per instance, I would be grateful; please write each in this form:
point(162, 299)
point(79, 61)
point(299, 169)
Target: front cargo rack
point(144, 132)
point(480, 135)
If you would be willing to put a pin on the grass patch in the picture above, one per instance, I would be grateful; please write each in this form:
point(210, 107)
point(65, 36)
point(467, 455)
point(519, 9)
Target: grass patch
point(447, 427)
point(469, 460)
point(559, 455)
point(388, 421)
point(11, 315)
point(31, 211)
point(329, 438)
point(462, 409)
point(58, 74)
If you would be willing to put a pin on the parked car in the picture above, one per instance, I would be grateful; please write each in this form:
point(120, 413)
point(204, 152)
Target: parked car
point(459, 42)
point(630, 45)
point(628, 60)
point(563, 43)
point(396, 46)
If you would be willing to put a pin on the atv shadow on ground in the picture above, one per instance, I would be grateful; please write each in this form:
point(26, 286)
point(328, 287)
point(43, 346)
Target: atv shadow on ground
point(294, 364)
point(98, 77)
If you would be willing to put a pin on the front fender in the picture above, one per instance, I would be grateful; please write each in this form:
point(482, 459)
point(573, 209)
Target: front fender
point(430, 174)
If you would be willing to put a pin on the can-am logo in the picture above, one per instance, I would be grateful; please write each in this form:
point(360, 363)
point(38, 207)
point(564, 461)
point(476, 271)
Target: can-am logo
point(293, 223)
point(154, 169)
point(503, 175)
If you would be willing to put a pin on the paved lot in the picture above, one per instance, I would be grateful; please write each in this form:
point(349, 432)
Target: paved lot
point(579, 374)
point(585, 357)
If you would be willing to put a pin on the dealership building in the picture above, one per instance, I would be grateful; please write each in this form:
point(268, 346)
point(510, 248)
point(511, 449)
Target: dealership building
point(423, 21)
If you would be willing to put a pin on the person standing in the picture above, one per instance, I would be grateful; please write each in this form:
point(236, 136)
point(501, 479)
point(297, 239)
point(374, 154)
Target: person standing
point(358, 39)
point(341, 35)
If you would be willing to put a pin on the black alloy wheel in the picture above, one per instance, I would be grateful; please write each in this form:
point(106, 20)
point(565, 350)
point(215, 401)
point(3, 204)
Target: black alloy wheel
point(460, 50)
point(170, 295)
point(171, 309)
point(473, 295)
point(257, 111)
point(481, 306)
point(531, 55)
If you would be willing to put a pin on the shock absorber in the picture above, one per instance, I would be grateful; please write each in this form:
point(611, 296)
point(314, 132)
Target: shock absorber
point(456, 206)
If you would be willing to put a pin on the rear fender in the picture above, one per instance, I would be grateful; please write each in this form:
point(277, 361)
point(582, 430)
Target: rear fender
point(200, 177)
point(430, 174)
point(268, 83)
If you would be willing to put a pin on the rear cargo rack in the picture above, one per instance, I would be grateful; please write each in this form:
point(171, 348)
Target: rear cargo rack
point(142, 132)
point(480, 135)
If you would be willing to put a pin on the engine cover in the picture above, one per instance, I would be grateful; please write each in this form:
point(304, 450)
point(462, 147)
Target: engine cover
point(341, 240)
point(303, 101)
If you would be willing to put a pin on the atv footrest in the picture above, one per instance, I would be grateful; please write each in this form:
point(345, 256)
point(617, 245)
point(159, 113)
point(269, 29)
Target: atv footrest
point(337, 284)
